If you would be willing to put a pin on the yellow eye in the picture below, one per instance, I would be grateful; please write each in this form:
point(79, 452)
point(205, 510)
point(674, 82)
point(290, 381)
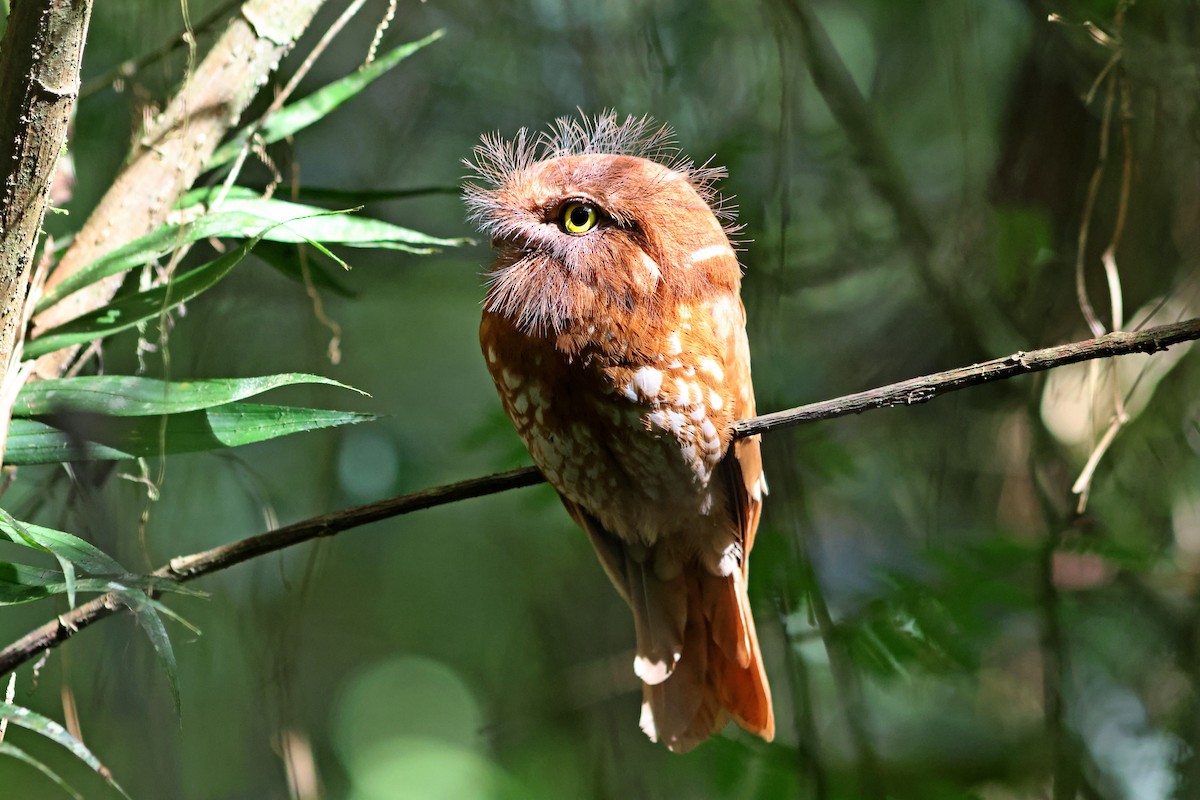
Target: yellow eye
point(579, 218)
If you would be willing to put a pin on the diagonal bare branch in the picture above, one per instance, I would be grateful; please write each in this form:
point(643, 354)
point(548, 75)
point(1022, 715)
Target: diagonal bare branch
point(910, 392)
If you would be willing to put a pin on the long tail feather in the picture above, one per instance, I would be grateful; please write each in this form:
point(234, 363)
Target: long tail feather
point(719, 675)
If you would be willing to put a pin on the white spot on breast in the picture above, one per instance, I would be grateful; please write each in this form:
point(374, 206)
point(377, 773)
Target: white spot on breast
point(521, 403)
point(714, 400)
point(710, 252)
point(699, 413)
point(648, 381)
point(687, 393)
point(630, 391)
point(511, 379)
point(674, 347)
point(491, 355)
point(727, 317)
point(712, 368)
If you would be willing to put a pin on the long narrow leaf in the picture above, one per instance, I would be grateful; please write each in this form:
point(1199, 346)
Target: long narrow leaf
point(358, 197)
point(114, 438)
point(127, 395)
point(301, 114)
point(129, 311)
point(61, 544)
point(147, 617)
point(20, 583)
point(285, 258)
point(34, 442)
point(305, 223)
point(229, 425)
point(57, 733)
point(69, 582)
point(23, 584)
point(155, 245)
point(12, 751)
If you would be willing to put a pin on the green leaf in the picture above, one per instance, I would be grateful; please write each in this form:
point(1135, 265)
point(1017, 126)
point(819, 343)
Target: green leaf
point(47, 727)
point(128, 311)
point(33, 442)
point(20, 583)
point(285, 258)
point(304, 223)
point(23, 584)
point(19, 754)
point(69, 582)
point(356, 197)
point(155, 245)
point(113, 438)
point(146, 613)
point(299, 115)
point(127, 395)
point(167, 612)
point(61, 544)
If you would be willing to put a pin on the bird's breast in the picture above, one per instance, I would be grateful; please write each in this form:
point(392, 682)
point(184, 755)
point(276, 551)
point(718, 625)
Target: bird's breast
point(633, 443)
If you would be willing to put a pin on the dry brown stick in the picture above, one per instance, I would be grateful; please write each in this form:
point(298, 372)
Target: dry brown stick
point(917, 390)
point(39, 81)
point(173, 149)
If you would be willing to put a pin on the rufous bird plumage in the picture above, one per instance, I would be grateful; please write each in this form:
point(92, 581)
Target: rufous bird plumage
point(615, 334)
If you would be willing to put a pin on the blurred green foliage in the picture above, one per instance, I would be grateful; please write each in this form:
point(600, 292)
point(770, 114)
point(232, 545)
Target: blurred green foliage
point(938, 620)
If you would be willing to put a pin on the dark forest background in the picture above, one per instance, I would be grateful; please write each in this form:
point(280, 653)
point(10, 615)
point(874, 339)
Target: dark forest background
point(941, 616)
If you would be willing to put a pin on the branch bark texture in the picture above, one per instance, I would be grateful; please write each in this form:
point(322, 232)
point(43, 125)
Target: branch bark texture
point(910, 392)
point(39, 81)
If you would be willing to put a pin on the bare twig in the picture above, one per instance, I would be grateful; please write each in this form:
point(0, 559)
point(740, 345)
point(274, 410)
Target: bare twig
point(917, 390)
point(921, 390)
